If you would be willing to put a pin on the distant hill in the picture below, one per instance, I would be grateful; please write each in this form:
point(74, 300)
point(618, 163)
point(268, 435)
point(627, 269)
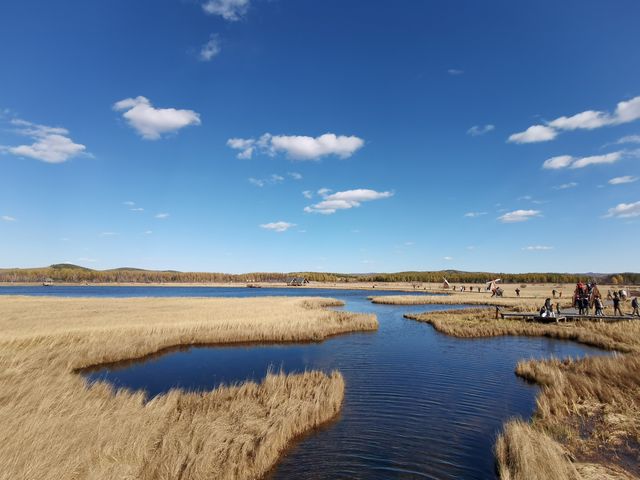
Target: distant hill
point(59, 266)
point(67, 272)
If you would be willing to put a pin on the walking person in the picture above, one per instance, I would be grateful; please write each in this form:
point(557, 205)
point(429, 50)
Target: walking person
point(517, 292)
point(616, 304)
point(634, 305)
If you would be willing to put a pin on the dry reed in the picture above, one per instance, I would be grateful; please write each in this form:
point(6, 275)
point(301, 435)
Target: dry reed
point(55, 426)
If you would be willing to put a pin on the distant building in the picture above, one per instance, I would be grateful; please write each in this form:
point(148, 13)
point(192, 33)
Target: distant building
point(297, 281)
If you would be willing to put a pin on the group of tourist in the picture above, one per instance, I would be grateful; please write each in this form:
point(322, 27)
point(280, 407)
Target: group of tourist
point(587, 296)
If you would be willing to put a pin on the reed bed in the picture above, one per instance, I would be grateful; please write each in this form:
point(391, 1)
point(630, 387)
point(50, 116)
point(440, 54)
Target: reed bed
point(56, 426)
point(587, 420)
point(477, 323)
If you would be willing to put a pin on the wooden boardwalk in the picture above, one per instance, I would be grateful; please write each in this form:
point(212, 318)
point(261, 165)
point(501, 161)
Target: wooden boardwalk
point(563, 317)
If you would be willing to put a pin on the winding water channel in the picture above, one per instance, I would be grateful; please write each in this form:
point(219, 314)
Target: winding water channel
point(418, 404)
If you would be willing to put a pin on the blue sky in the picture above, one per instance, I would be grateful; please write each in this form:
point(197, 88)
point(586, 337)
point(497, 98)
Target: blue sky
point(351, 136)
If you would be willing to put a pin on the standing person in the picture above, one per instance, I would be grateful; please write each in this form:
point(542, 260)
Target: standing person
point(553, 292)
point(517, 292)
point(616, 304)
point(634, 305)
point(599, 306)
point(579, 305)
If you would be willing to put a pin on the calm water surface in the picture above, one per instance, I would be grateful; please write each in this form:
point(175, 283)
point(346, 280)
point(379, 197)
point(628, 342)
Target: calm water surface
point(418, 404)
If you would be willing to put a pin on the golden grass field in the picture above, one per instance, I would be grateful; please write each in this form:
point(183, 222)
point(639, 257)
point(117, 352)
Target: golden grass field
point(587, 421)
point(55, 426)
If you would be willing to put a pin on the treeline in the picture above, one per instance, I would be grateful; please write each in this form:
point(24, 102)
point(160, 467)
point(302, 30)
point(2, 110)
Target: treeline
point(480, 277)
point(67, 273)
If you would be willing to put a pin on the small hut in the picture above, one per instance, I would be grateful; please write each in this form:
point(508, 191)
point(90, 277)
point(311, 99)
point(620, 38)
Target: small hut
point(297, 281)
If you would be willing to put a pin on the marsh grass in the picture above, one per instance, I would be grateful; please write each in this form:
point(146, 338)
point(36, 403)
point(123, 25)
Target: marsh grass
point(56, 426)
point(587, 421)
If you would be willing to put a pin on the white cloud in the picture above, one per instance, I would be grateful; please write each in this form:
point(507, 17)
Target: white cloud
point(535, 133)
point(272, 179)
point(129, 203)
point(597, 159)
point(474, 214)
point(297, 147)
point(324, 191)
point(623, 180)
point(162, 216)
point(565, 186)
point(148, 232)
point(477, 130)
point(567, 161)
point(108, 234)
point(7, 218)
point(308, 148)
point(51, 144)
point(295, 175)
point(629, 139)
point(447, 258)
point(210, 49)
point(585, 120)
point(519, 216)
point(246, 146)
point(137, 209)
point(278, 226)
point(150, 122)
point(554, 163)
point(230, 10)
point(537, 248)
point(455, 71)
point(308, 194)
point(625, 112)
point(624, 210)
point(345, 200)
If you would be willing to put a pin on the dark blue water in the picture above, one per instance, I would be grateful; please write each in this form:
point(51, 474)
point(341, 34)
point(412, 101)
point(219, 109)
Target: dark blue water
point(241, 292)
point(418, 404)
